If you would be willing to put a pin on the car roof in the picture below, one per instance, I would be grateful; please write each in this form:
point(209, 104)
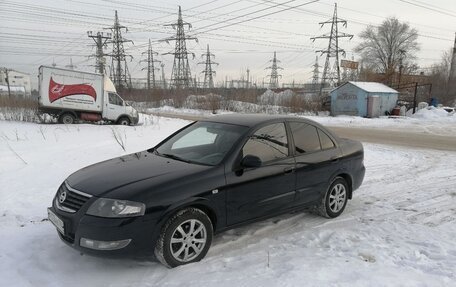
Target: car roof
point(251, 120)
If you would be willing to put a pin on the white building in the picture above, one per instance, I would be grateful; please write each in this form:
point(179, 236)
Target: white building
point(19, 82)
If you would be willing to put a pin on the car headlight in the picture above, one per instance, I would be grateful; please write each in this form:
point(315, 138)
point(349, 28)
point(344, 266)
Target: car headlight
point(105, 207)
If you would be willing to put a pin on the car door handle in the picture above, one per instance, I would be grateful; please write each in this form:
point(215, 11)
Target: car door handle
point(334, 159)
point(288, 170)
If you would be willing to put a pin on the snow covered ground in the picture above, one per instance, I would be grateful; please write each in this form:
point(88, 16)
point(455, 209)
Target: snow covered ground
point(399, 230)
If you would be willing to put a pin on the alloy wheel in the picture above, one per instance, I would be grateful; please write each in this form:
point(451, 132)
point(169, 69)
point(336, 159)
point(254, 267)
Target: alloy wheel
point(188, 240)
point(337, 197)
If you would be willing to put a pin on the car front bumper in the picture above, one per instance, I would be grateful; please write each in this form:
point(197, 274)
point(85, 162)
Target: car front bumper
point(133, 236)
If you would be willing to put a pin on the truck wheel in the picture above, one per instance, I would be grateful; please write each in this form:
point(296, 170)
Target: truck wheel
point(185, 238)
point(67, 119)
point(124, 121)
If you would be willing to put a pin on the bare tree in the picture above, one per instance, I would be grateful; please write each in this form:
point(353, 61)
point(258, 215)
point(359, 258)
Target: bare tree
point(389, 46)
point(441, 87)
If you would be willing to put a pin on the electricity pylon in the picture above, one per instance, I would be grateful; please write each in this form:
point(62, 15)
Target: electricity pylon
point(150, 67)
point(274, 76)
point(330, 75)
point(181, 76)
point(208, 72)
point(119, 69)
point(100, 42)
point(316, 73)
point(162, 65)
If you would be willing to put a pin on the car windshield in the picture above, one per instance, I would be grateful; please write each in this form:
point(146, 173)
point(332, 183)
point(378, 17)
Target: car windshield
point(202, 143)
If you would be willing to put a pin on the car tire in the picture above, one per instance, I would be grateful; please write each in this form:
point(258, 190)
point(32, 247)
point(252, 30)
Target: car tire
point(178, 244)
point(336, 197)
point(67, 118)
point(124, 121)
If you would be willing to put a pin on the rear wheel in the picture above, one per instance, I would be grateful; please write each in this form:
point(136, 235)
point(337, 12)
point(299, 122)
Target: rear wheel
point(185, 238)
point(124, 121)
point(67, 118)
point(335, 199)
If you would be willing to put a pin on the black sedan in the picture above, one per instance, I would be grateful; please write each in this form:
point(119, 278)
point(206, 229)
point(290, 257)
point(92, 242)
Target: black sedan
point(207, 177)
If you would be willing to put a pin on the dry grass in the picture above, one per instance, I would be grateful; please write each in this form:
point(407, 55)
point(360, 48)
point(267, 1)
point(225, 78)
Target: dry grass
point(18, 109)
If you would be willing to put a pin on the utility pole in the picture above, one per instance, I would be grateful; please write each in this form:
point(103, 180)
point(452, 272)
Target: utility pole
point(162, 65)
point(248, 79)
point(181, 76)
point(208, 72)
point(332, 76)
point(151, 67)
point(100, 42)
point(7, 82)
point(119, 68)
point(316, 73)
point(274, 77)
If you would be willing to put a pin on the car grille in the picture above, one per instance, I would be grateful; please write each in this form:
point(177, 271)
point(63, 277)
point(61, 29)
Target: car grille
point(70, 200)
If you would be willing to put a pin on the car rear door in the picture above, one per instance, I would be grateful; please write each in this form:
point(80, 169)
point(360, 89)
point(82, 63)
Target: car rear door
point(257, 192)
point(317, 159)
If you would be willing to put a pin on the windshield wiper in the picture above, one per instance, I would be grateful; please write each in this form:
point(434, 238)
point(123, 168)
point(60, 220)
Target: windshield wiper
point(175, 157)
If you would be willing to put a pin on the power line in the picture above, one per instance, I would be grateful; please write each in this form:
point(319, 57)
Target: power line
point(428, 8)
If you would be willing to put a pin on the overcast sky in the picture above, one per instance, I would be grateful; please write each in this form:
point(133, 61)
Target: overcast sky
point(38, 33)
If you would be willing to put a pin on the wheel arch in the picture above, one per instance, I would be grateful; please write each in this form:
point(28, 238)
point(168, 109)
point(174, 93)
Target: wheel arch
point(349, 181)
point(124, 116)
point(201, 203)
point(73, 113)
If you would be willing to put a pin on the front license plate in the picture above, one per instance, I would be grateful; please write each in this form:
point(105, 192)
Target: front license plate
point(58, 223)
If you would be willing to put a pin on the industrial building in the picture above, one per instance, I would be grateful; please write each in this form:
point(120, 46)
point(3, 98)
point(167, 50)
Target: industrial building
point(364, 99)
point(19, 83)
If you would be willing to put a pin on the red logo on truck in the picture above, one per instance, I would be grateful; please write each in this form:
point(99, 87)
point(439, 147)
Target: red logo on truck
point(58, 91)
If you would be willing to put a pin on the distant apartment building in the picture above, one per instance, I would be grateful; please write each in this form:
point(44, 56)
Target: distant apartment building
point(19, 83)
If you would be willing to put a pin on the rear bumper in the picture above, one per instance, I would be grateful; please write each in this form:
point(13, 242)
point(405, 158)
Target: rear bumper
point(359, 177)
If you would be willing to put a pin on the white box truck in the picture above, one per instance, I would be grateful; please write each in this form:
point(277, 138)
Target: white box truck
point(70, 95)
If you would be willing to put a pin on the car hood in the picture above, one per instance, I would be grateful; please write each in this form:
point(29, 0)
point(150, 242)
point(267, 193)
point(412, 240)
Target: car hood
point(102, 178)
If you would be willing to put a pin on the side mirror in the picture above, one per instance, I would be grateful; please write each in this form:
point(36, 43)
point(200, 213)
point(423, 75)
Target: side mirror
point(251, 161)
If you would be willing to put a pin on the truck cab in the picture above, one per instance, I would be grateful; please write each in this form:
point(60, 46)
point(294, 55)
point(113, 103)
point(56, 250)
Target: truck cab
point(116, 109)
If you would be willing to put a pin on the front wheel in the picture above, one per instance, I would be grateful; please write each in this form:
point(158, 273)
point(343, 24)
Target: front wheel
point(334, 202)
point(185, 238)
point(124, 121)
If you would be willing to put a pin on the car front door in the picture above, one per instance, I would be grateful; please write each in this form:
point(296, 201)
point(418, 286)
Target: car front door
point(267, 189)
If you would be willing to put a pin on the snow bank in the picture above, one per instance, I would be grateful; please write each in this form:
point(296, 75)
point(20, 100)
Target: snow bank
point(432, 113)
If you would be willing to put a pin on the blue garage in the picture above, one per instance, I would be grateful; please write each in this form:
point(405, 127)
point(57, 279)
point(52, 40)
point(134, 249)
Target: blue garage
point(364, 99)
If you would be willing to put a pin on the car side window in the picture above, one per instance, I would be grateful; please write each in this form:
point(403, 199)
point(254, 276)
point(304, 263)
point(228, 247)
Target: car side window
point(325, 140)
point(268, 143)
point(305, 137)
point(114, 99)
